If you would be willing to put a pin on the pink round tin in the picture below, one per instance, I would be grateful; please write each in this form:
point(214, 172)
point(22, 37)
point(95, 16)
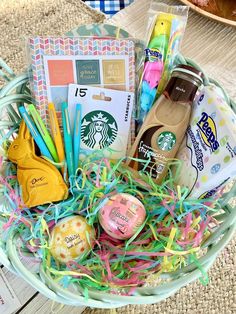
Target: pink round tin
point(121, 215)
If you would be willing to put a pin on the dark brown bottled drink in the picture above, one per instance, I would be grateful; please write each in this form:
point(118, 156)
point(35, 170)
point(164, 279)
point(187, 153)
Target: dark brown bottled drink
point(165, 125)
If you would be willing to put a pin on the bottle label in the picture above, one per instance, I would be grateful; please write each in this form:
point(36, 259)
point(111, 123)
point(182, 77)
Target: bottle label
point(166, 141)
point(151, 160)
point(155, 162)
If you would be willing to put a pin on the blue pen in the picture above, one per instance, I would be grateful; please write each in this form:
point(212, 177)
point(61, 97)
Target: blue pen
point(34, 132)
point(77, 129)
point(67, 138)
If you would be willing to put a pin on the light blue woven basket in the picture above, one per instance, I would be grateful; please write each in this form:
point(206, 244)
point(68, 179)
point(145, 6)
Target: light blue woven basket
point(16, 92)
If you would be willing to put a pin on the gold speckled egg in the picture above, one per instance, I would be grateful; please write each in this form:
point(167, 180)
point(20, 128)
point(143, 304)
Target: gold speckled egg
point(69, 239)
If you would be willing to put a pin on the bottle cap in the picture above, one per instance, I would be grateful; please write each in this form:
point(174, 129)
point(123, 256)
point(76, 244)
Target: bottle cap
point(184, 83)
point(189, 70)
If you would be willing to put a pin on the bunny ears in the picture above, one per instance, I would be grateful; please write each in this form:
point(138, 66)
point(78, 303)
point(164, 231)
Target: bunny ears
point(24, 132)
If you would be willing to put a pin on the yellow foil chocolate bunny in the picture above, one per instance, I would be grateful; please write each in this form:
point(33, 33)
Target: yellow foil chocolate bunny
point(40, 181)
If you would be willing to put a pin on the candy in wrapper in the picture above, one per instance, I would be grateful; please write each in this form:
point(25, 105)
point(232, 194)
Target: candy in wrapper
point(208, 151)
point(71, 238)
point(122, 215)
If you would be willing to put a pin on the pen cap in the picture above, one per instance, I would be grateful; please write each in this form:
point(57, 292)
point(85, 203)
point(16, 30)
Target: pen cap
point(64, 105)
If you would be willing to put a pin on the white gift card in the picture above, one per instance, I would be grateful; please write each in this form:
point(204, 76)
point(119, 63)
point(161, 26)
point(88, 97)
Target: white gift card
point(105, 118)
point(8, 300)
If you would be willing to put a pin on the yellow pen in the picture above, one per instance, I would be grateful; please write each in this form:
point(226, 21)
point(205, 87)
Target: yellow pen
point(56, 133)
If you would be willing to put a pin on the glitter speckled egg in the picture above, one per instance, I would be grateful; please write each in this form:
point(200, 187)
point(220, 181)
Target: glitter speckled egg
point(121, 215)
point(68, 239)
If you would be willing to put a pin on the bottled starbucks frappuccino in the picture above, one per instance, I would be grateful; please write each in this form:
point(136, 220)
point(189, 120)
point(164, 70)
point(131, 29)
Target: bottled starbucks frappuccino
point(164, 127)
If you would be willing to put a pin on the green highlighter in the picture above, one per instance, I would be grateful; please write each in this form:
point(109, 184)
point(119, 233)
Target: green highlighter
point(43, 131)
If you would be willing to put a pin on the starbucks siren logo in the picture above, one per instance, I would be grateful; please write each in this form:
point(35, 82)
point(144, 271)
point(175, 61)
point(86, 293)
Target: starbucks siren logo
point(166, 141)
point(98, 129)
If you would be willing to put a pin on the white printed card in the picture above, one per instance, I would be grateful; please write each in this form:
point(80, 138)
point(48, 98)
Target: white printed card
point(8, 300)
point(105, 119)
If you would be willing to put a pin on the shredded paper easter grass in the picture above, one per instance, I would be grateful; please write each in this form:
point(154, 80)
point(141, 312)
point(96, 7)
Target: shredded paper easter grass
point(170, 238)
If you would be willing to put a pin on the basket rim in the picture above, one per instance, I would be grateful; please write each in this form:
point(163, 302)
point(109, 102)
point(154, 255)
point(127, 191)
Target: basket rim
point(145, 295)
point(100, 299)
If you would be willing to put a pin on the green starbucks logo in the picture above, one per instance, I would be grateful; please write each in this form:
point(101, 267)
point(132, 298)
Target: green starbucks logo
point(98, 129)
point(166, 141)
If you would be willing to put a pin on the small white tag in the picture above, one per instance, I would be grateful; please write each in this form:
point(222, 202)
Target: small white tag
point(9, 302)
